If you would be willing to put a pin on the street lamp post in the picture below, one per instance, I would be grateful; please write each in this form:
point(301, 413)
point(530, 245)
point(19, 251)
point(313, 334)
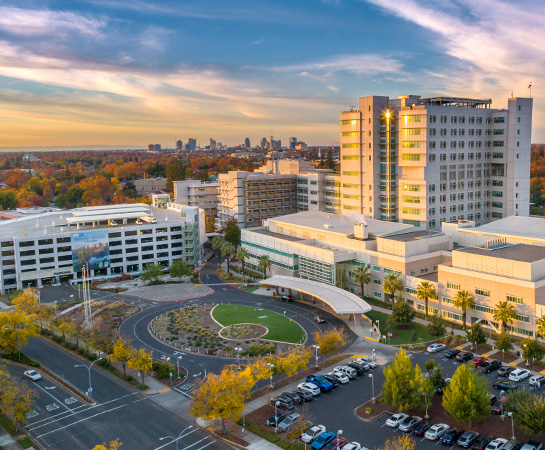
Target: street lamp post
point(378, 328)
point(90, 393)
point(275, 417)
point(527, 363)
point(179, 436)
point(271, 366)
point(238, 350)
point(178, 365)
point(426, 400)
point(510, 414)
point(373, 385)
point(316, 347)
point(338, 434)
point(55, 303)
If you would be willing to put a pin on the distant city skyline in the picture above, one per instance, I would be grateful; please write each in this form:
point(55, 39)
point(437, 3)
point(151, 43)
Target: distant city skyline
point(101, 73)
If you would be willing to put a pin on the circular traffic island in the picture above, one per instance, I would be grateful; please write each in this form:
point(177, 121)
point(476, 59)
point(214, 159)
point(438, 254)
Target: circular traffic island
point(228, 330)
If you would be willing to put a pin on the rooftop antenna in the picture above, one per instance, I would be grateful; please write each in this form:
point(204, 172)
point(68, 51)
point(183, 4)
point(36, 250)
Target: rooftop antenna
point(352, 107)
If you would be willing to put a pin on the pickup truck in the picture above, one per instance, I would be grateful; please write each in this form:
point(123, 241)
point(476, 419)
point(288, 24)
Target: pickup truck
point(321, 382)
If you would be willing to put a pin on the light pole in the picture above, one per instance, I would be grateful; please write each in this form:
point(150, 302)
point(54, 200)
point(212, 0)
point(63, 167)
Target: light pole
point(316, 347)
point(238, 350)
point(510, 414)
point(89, 369)
point(373, 385)
point(55, 303)
point(179, 436)
point(275, 417)
point(18, 328)
point(338, 434)
point(378, 327)
point(271, 366)
point(527, 363)
point(178, 365)
point(426, 400)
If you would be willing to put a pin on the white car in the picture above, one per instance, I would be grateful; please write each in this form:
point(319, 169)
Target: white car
point(496, 444)
point(32, 375)
point(366, 360)
point(352, 446)
point(310, 388)
point(343, 379)
point(539, 378)
point(519, 374)
point(309, 435)
point(396, 419)
point(436, 431)
point(434, 348)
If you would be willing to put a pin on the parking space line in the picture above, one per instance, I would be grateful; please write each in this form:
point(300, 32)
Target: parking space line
point(53, 397)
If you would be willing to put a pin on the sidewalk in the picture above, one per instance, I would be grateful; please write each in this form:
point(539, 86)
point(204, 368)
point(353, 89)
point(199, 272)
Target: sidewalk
point(7, 441)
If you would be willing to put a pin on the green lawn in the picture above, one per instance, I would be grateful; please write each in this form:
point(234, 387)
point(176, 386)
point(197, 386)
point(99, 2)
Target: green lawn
point(280, 328)
point(404, 335)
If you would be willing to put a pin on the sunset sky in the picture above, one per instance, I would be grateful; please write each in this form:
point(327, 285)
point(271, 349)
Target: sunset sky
point(112, 72)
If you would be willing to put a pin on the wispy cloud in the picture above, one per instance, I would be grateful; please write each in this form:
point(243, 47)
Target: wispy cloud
point(44, 22)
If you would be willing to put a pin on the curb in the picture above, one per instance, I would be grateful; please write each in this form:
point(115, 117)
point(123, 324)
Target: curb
point(370, 420)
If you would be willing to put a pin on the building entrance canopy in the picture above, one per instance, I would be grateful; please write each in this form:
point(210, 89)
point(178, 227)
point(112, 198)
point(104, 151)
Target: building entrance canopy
point(342, 302)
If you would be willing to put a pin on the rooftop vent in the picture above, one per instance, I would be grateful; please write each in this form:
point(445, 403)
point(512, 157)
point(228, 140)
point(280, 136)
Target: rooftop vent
point(495, 243)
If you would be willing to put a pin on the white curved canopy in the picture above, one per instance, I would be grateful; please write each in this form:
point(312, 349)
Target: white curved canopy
point(342, 302)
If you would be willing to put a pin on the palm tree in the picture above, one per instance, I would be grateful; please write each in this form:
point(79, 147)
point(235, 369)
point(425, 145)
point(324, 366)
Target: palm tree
point(464, 300)
point(392, 284)
point(242, 255)
point(540, 326)
point(217, 244)
point(362, 277)
point(263, 264)
point(425, 291)
point(227, 250)
point(504, 313)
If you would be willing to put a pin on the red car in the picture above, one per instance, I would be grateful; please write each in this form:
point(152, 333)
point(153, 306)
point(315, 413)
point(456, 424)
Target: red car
point(336, 444)
point(477, 360)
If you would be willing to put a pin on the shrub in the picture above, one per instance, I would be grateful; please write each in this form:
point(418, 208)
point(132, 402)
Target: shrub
point(368, 410)
point(24, 359)
point(436, 326)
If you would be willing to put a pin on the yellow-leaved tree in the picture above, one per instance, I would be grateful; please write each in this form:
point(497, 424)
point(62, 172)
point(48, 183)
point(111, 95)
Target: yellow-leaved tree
point(141, 361)
point(16, 399)
point(330, 341)
point(293, 362)
point(26, 301)
point(122, 353)
point(15, 329)
point(113, 445)
point(222, 396)
point(399, 443)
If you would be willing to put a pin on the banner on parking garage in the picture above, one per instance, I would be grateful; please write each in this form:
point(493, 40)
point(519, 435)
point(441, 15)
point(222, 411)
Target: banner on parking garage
point(90, 248)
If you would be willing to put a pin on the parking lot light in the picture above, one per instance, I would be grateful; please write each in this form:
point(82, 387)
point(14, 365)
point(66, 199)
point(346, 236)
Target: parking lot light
point(317, 348)
point(271, 367)
point(373, 385)
point(510, 414)
point(338, 435)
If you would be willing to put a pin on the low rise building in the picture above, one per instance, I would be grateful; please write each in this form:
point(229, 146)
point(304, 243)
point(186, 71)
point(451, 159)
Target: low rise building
point(198, 194)
point(147, 186)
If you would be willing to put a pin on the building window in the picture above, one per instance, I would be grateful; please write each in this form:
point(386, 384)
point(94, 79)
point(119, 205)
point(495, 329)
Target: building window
point(376, 268)
point(349, 122)
point(377, 294)
point(482, 292)
point(453, 285)
point(514, 299)
point(423, 271)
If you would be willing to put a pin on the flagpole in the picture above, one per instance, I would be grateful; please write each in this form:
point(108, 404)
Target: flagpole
point(530, 87)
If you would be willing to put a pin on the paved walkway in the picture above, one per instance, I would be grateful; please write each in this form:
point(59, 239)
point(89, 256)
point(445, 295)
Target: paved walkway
point(171, 292)
point(7, 441)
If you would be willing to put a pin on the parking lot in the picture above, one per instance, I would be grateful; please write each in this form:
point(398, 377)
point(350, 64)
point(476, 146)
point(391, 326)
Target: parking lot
point(336, 409)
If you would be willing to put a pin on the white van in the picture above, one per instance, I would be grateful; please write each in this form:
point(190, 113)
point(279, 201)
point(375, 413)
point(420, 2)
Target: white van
point(348, 371)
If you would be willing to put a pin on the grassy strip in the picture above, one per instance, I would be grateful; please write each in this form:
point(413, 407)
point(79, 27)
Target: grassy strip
point(249, 288)
point(272, 437)
point(405, 336)
point(27, 443)
point(24, 359)
point(7, 424)
point(280, 327)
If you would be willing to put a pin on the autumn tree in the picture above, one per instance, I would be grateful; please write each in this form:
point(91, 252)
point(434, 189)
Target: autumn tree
point(466, 397)
point(404, 442)
point(330, 341)
point(27, 301)
point(113, 445)
point(15, 329)
point(141, 362)
point(404, 384)
point(293, 362)
point(222, 396)
point(16, 398)
point(122, 353)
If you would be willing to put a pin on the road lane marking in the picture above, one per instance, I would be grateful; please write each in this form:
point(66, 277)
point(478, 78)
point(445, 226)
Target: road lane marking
point(163, 390)
point(210, 443)
point(53, 397)
point(168, 443)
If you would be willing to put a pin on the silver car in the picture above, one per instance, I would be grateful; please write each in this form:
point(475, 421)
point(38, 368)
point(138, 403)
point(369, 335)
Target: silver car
point(288, 422)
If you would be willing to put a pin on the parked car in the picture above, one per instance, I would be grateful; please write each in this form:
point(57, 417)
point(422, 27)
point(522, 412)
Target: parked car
point(32, 375)
point(288, 422)
point(519, 374)
point(497, 407)
point(537, 379)
point(435, 348)
point(421, 428)
point(309, 435)
point(332, 379)
point(343, 379)
point(322, 440)
point(286, 298)
point(352, 446)
point(348, 371)
point(321, 382)
point(408, 424)
point(505, 371)
point(490, 366)
point(366, 360)
point(276, 418)
point(452, 353)
point(436, 431)
point(492, 399)
point(451, 436)
point(467, 439)
point(360, 368)
point(532, 445)
point(464, 356)
point(506, 385)
point(306, 396)
point(310, 388)
point(293, 397)
point(396, 419)
point(513, 445)
point(336, 444)
point(282, 403)
point(481, 443)
point(319, 319)
point(497, 444)
point(477, 360)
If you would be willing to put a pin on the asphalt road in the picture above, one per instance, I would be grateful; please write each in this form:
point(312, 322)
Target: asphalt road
point(120, 412)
